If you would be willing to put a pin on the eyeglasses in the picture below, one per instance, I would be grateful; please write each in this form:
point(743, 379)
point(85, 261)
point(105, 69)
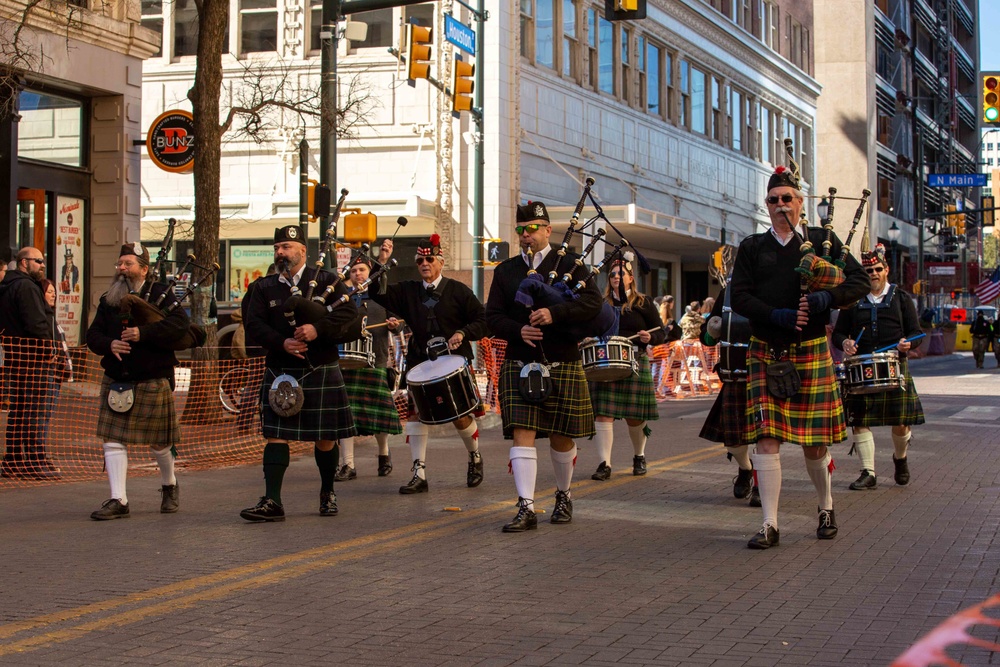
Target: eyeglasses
point(421, 260)
point(875, 269)
point(531, 229)
point(785, 198)
point(35, 260)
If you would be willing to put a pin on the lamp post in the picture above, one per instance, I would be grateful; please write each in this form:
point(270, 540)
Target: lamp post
point(822, 209)
point(894, 234)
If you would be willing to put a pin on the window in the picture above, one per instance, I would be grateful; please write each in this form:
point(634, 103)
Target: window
point(626, 66)
point(571, 47)
point(765, 133)
point(698, 101)
point(152, 18)
point(989, 147)
point(744, 14)
point(50, 129)
point(668, 71)
point(605, 55)
point(380, 28)
point(717, 125)
point(654, 104)
point(185, 28)
point(527, 28)
point(258, 26)
point(544, 33)
point(770, 25)
point(592, 46)
point(685, 101)
point(736, 119)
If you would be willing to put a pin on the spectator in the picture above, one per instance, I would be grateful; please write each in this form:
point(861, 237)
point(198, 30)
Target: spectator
point(691, 322)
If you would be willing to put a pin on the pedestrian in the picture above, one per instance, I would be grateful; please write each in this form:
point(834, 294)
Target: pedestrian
point(691, 321)
point(981, 332)
point(792, 393)
point(885, 317)
point(543, 390)
point(303, 396)
point(136, 398)
point(434, 306)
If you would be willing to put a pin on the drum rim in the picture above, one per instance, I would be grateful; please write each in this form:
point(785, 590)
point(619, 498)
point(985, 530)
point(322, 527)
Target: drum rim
point(410, 379)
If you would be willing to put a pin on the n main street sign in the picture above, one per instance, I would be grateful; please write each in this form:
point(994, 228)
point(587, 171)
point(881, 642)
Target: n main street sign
point(460, 35)
point(956, 180)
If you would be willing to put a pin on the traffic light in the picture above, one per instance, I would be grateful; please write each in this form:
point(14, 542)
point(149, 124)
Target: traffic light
point(462, 85)
point(418, 53)
point(918, 287)
point(991, 98)
point(952, 218)
point(717, 260)
point(960, 223)
point(624, 10)
point(318, 201)
point(360, 227)
point(986, 203)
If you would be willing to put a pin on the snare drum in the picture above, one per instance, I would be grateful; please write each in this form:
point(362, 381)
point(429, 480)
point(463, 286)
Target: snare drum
point(608, 359)
point(841, 372)
point(873, 373)
point(443, 390)
point(357, 354)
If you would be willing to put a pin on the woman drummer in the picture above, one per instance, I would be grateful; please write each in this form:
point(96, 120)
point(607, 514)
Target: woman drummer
point(633, 398)
point(886, 317)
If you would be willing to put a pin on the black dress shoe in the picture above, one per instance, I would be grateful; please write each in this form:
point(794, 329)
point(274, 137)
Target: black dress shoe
point(743, 483)
point(345, 473)
point(265, 510)
point(755, 497)
point(417, 484)
point(765, 538)
point(475, 475)
point(902, 475)
point(111, 509)
point(384, 465)
point(563, 510)
point(827, 529)
point(327, 504)
point(638, 465)
point(525, 519)
point(866, 482)
point(170, 500)
point(603, 472)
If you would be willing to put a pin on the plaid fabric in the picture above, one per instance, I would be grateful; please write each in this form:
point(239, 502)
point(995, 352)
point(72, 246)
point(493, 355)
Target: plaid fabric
point(567, 411)
point(892, 408)
point(813, 417)
point(631, 398)
point(823, 274)
point(325, 414)
point(151, 421)
point(371, 403)
point(726, 421)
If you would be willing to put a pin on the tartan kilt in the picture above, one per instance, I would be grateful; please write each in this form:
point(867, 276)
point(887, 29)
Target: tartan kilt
point(151, 421)
point(900, 407)
point(567, 411)
point(629, 398)
point(325, 414)
point(726, 421)
point(371, 403)
point(814, 417)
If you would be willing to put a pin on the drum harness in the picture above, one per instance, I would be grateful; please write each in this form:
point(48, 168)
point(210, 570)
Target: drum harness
point(873, 308)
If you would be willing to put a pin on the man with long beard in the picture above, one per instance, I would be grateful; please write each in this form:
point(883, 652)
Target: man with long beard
point(137, 404)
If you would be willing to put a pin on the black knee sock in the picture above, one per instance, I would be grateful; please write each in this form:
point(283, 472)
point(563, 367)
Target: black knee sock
point(276, 458)
point(327, 464)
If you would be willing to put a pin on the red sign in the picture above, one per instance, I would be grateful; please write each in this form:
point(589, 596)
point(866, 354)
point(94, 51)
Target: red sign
point(958, 314)
point(170, 141)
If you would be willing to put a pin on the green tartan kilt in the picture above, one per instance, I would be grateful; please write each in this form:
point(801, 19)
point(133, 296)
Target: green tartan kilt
point(630, 398)
point(814, 417)
point(371, 403)
point(325, 414)
point(567, 411)
point(151, 421)
point(726, 421)
point(900, 407)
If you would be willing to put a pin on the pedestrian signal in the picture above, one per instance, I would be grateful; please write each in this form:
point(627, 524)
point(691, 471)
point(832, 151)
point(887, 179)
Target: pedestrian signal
point(496, 252)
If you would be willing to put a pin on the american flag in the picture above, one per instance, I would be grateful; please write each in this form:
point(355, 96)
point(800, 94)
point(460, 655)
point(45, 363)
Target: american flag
point(989, 289)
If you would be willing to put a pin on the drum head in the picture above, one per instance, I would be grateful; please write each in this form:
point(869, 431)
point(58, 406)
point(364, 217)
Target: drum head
point(434, 370)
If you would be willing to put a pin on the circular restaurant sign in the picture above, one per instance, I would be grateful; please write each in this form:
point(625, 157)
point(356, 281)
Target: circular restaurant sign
point(170, 141)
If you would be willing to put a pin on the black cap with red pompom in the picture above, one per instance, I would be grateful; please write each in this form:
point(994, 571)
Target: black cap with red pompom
point(430, 247)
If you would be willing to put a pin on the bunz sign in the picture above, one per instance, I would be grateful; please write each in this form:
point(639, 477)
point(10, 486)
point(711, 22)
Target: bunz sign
point(170, 141)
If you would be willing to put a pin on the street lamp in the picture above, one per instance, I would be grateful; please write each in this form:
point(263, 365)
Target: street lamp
point(822, 209)
point(894, 234)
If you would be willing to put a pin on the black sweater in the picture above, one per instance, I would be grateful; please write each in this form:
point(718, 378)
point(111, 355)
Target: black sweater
point(764, 279)
point(896, 319)
point(641, 318)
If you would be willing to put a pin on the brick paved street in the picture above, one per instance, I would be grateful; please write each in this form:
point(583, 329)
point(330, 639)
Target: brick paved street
point(653, 570)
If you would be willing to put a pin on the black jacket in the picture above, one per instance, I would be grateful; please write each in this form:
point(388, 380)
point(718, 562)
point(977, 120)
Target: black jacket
point(22, 307)
point(640, 318)
point(895, 318)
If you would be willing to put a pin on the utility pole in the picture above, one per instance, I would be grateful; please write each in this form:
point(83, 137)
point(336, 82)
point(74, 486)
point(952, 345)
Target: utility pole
point(328, 100)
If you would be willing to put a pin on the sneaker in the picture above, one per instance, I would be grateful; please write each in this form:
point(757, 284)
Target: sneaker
point(345, 473)
point(603, 472)
point(327, 504)
point(416, 485)
point(475, 475)
point(765, 538)
point(265, 510)
point(827, 529)
point(902, 475)
point(170, 499)
point(525, 519)
point(755, 496)
point(638, 465)
point(563, 510)
point(111, 509)
point(743, 484)
point(866, 482)
point(384, 465)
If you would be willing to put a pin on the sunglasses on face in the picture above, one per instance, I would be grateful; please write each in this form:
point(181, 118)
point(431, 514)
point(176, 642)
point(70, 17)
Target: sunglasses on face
point(531, 229)
point(875, 269)
point(785, 198)
point(421, 260)
point(616, 274)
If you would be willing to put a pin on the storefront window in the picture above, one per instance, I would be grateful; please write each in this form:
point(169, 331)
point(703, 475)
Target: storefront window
point(50, 129)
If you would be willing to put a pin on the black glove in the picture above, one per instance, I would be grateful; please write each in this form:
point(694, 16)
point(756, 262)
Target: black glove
point(819, 301)
point(786, 318)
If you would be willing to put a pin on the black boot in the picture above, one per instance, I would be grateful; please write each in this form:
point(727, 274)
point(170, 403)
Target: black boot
point(902, 475)
point(563, 510)
point(327, 504)
point(638, 465)
point(170, 500)
point(603, 472)
point(743, 484)
point(755, 496)
point(384, 465)
point(475, 475)
point(525, 519)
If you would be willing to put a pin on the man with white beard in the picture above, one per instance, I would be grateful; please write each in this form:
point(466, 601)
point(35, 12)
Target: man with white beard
point(137, 405)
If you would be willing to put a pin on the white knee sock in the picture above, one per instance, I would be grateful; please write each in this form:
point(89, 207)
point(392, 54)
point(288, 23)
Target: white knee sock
point(604, 437)
point(563, 464)
point(741, 455)
point(822, 476)
point(524, 465)
point(165, 460)
point(767, 471)
point(470, 436)
point(416, 436)
point(900, 443)
point(116, 463)
point(383, 443)
point(347, 452)
point(637, 434)
point(864, 445)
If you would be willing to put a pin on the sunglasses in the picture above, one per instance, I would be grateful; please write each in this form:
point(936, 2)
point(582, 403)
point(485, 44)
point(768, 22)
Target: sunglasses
point(35, 260)
point(616, 274)
point(875, 269)
point(531, 229)
point(421, 260)
point(785, 198)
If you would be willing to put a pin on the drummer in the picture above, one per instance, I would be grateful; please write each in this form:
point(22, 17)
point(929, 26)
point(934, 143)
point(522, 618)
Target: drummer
point(633, 398)
point(884, 317)
point(367, 388)
point(434, 306)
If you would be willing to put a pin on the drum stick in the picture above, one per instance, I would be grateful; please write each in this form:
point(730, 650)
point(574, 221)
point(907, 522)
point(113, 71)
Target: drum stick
point(908, 340)
point(382, 324)
point(860, 334)
point(649, 331)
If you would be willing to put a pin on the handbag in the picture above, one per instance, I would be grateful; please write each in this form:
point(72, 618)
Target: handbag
point(121, 396)
point(783, 379)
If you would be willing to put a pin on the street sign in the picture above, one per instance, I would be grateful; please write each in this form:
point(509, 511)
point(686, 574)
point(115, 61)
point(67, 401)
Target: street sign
point(460, 35)
point(956, 180)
